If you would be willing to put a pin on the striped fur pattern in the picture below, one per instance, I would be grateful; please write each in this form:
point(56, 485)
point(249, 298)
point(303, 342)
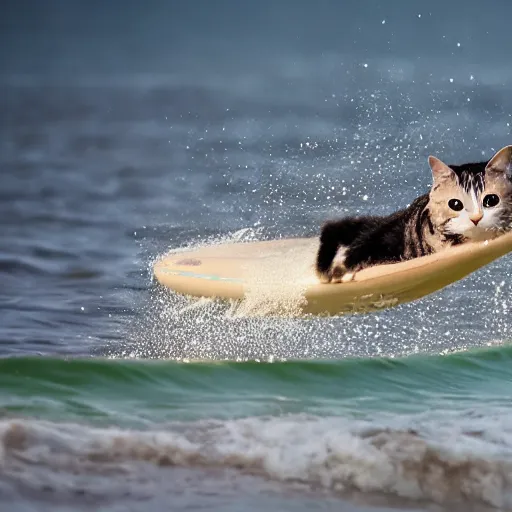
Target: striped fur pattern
point(469, 202)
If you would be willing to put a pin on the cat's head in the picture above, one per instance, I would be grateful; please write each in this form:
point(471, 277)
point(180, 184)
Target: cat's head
point(473, 200)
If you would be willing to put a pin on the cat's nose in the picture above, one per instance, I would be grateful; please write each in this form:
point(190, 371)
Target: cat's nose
point(476, 218)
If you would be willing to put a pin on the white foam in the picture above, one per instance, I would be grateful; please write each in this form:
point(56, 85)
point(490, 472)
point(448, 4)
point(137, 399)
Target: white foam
point(277, 284)
point(442, 463)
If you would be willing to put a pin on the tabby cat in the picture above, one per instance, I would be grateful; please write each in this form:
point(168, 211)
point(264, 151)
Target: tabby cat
point(468, 202)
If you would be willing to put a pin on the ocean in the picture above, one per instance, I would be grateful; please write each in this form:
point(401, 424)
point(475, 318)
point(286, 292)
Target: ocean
point(127, 132)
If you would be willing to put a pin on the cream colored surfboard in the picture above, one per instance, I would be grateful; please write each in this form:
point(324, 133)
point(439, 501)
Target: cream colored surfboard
point(277, 277)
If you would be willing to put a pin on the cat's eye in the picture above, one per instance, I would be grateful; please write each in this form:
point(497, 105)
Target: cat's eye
point(455, 205)
point(490, 200)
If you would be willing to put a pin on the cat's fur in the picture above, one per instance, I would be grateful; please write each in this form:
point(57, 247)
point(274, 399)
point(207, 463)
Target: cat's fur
point(428, 224)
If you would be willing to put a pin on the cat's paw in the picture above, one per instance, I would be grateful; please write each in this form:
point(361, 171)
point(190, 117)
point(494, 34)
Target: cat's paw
point(337, 272)
point(334, 274)
point(323, 277)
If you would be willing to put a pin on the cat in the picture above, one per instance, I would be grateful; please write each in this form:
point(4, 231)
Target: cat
point(468, 202)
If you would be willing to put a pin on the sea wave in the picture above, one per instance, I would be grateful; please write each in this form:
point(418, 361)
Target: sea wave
point(465, 460)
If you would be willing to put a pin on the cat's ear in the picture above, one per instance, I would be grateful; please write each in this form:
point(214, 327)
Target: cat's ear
point(440, 171)
point(501, 161)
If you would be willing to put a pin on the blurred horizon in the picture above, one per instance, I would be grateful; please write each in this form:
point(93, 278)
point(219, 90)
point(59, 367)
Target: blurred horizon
point(66, 37)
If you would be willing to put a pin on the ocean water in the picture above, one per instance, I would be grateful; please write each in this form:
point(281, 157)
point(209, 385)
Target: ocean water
point(127, 132)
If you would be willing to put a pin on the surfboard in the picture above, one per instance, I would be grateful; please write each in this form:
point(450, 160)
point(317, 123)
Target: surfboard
point(277, 277)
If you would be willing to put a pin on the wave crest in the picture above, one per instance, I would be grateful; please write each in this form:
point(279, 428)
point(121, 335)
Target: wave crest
point(325, 453)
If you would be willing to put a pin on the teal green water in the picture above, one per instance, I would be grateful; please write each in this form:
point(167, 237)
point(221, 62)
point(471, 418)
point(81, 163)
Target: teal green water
point(145, 392)
point(434, 428)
